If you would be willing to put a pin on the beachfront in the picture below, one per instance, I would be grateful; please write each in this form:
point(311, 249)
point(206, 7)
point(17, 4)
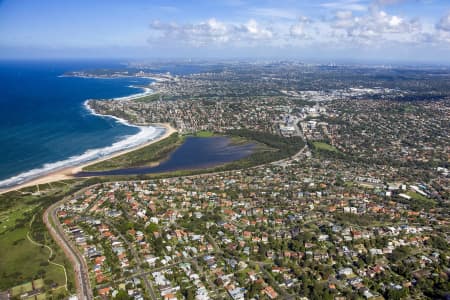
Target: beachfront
point(68, 172)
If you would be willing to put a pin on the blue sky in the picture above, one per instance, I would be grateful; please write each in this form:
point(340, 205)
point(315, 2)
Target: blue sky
point(391, 30)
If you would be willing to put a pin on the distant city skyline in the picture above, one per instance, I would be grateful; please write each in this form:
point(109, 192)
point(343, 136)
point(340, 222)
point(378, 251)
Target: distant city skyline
point(327, 30)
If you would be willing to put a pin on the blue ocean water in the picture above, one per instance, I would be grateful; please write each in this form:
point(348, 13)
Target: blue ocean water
point(42, 117)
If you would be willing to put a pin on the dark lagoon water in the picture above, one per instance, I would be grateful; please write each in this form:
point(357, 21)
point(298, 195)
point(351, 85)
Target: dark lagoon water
point(43, 123)
point(194, 153)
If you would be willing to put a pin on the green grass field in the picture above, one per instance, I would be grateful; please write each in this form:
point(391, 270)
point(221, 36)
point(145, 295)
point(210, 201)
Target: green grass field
point(20, 289)
point(41, 297)
point(204, 133)
point(38, 283)
point(418, 202)
point(22, 261)
point(149, 98)
point(8, 218)
point(324, 147)
point(417, 196)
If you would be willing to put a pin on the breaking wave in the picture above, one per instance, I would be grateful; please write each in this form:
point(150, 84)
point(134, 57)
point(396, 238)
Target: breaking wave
point(145, 134)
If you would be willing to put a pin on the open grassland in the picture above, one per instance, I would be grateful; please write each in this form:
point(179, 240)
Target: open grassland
point(204, 133)
point(321, 146)
point(38, 290)
point(23, 257)
point(419, 201)
point(417, 196)
point(22, 288)
point(149, 98)
point(38, 283)
point(21, 260)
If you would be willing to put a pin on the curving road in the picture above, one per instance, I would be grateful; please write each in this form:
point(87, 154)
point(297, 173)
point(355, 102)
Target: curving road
point(84, 290)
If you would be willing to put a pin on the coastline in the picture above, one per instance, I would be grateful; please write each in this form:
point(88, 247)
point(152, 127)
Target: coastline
point(67, 173)
point(149, 133)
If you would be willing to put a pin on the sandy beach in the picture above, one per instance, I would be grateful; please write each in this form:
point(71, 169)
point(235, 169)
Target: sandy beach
point(67, 173)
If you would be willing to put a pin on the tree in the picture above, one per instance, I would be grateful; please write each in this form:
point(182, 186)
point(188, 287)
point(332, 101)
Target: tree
point(396, 294)
point(254, 289)
point(122, 295)
point(152, 227)
point(438, 242)
point(189, 294)
point(399, 253)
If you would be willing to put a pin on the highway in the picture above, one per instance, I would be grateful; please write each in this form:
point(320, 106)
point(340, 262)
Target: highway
point(84, 291)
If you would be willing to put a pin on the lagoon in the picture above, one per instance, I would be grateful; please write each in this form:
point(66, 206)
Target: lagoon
point(194, 153)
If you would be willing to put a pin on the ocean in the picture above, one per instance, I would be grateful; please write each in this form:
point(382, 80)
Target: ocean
point(44, 125)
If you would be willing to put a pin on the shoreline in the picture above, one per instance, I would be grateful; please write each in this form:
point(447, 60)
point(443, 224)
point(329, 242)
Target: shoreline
point(68, 172)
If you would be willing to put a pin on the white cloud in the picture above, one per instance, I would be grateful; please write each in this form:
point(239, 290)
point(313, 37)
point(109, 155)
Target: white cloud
point(253, 30)
point(373, 28)
point(376, 26)
point(210, 32)
point(301, 29)
point(353, 5)
point(442, 31)
point(444, 23)
point(344, 19)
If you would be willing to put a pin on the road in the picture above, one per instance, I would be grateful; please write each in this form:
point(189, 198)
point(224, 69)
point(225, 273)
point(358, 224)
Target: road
point(80, 267)
point(149, 272)
point(284, 295)
point(289, 159)
point(84, 290)
point(138, 261)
